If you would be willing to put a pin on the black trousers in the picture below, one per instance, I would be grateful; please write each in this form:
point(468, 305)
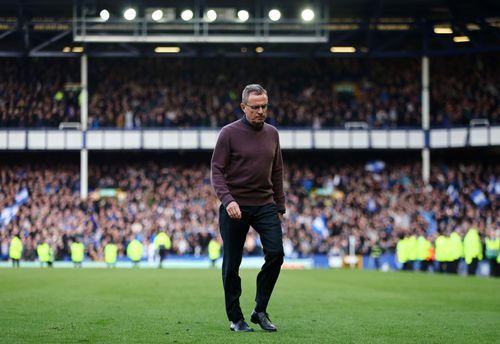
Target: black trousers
point(494, 267)
point(408, 266)
point(452, 267)
point(472, 267)
point(264, 219)
point(424, 265)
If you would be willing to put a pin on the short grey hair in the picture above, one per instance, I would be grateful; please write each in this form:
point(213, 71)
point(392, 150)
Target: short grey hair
point(252, 89)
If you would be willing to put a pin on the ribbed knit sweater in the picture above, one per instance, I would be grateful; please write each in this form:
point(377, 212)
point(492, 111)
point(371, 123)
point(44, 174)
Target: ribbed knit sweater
point(247, 165)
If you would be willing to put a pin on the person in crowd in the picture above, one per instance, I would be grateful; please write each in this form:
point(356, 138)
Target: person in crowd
point(492, 246)
point(134, 251)
point(77, 252)
point(163, 245)
point(15, 250)
point(110, 253)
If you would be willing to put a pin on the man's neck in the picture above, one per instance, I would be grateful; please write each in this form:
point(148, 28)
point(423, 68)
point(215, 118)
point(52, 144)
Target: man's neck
point(253, 126)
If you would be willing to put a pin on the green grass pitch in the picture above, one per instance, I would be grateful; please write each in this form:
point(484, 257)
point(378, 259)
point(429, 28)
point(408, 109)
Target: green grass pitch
point(186, 306)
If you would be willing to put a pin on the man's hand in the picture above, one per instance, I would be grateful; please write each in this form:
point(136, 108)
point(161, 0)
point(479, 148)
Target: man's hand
point(233, 210)
point(280, 215)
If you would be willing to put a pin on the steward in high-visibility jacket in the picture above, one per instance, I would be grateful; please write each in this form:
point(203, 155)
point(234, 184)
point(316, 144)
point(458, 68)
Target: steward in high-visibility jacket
point(77, 253)
point(455, 251)
point(162, 244)
point(213, 251)
point(15, 250)
point(412, 251)
point(492, 243)
point(441, 254)
point(424, 254)
point(45, 255)
point(402, 252)
point(134, 251)
point(473, 250)
point(110, 254)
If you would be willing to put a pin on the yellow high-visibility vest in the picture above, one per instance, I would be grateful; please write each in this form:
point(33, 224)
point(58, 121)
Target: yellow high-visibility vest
point(402, 251)
point(162, 239)
point(43, 251)
point(134, 250)
point(423, 247)
point(492, 247)
point(16, 248)
point(213, 250)
point(472, 246)
point(77, 252)
point(456, 249)
point(441, 245)
point(110, 253)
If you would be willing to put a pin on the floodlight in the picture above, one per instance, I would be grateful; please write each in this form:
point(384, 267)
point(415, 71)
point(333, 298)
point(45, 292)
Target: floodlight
point(243, 15)
point(443, 30)
point(307, 14)
point(274, 15)
point(157, 15)
point(461, 39)
point(211, 15)
point(129, 14)
point(104, 14)
point(187, 15)
point(342, 49)
point(167, 50)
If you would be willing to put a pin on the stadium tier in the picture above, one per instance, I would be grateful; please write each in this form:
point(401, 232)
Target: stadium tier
point(194, 92)
point(377, 203)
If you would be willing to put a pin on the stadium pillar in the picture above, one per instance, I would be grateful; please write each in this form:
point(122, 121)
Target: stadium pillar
point(84, 158)
point(426, 154)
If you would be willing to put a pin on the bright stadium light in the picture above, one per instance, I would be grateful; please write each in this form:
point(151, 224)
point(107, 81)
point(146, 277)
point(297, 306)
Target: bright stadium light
point(443, 30)
point(187, 15)
point(104, 14)
point(461, 39)
point(342, 49)
point(167, 50)
point(211, 15)
point(259, 50)
point(243, 15)
point(129, 14)
point(274, 15)
point(307, 14)
point(157, 15)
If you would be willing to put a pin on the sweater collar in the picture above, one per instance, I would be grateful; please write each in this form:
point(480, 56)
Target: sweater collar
point(246, 122)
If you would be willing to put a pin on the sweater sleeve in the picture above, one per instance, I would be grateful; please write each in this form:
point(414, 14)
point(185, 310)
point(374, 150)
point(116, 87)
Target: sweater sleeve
point(277, 178)
point(220, 160)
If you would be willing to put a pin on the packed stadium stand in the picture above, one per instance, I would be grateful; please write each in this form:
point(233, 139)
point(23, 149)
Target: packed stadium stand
point(193, 92)
point(328, 201)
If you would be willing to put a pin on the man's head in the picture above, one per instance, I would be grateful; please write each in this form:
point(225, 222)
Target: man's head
point(254, 104)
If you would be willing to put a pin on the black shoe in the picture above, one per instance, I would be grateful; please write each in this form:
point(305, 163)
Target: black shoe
point(240, 326)
point(262, 318)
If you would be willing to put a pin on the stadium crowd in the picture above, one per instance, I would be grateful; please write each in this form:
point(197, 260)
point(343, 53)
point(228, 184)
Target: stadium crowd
point(180, 93)
point(326, 204)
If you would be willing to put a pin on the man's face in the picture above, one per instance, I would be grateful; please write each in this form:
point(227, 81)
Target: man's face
point(255, 109)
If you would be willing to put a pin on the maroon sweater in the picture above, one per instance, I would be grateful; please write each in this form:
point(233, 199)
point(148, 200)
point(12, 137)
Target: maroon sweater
point(247, 166)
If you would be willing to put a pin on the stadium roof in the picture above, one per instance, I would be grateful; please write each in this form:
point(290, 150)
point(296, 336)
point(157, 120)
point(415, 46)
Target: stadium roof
point(369, 27)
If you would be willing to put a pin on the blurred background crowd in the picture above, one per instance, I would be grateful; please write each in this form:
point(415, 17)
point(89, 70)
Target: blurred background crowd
point(188, 93)
point(327, 201)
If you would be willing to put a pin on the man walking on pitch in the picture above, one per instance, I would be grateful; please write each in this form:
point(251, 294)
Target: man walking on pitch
point(247, 175)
